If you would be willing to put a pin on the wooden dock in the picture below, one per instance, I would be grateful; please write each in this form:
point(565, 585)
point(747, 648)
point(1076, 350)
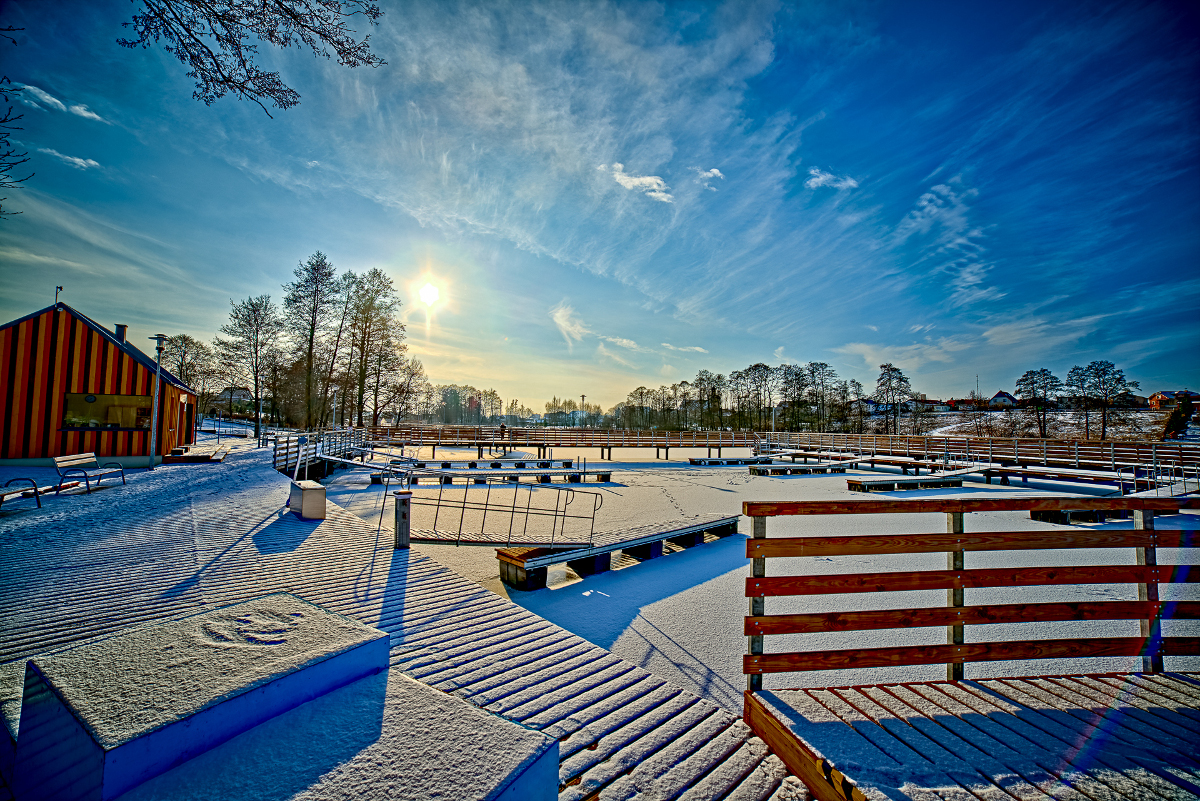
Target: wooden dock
point(179, 540)
point(524, 568)
point(893, 484)
point(1107, 736)
point(1130, 735)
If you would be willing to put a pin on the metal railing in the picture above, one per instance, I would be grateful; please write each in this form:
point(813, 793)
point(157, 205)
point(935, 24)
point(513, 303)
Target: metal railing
point(527, 518)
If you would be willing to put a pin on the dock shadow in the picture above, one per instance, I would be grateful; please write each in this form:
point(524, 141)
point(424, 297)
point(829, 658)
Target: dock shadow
point(602, 607)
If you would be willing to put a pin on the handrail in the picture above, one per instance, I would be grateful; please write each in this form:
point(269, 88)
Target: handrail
point(1147, 574)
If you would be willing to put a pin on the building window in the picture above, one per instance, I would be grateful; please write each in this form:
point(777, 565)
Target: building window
point(119, 412)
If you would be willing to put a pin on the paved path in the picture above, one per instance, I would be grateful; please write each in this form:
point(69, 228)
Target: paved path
point(191, 537)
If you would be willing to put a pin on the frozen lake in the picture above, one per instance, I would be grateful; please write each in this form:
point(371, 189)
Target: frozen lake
point(680, 616)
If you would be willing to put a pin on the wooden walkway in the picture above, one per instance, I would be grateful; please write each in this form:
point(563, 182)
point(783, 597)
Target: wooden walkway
point(1119, 736)
point(1086, 737)
point(182, 539)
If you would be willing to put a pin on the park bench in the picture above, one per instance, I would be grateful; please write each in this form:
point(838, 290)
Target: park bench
point(85, 466)
point(33, 490)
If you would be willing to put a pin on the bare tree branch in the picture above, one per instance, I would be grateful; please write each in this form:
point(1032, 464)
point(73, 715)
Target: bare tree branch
point(214, 38)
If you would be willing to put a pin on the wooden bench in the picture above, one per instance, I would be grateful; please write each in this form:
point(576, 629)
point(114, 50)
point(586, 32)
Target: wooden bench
point(33, 490)
point(85, 466)
point(858, 741)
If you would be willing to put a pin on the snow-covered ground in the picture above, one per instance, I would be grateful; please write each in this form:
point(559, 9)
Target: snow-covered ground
point(680, 616)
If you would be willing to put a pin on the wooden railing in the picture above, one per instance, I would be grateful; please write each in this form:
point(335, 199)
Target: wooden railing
point(1147, 574)
point(1110, 455)
point(473, 436)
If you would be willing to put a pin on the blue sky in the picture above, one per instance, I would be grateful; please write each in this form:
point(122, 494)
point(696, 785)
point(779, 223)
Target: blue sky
point(620, 194)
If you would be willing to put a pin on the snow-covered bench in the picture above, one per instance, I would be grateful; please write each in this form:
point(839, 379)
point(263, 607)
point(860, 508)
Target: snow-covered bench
point(85, 466)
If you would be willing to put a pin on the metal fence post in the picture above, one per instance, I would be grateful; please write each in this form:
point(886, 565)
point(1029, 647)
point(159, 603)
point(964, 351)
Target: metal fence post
point(403, 523)
point(758, 603)
point(1151, 628)
point(954, 597)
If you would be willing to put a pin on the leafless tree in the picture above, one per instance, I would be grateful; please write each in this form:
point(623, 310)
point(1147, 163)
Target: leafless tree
point(215, 40)
point(10, 157)
point(252, 332)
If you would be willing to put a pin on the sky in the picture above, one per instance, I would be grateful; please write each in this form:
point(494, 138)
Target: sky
point(613, 195)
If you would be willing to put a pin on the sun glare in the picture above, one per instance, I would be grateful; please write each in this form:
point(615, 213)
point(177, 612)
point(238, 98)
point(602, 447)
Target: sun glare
point(429, 294)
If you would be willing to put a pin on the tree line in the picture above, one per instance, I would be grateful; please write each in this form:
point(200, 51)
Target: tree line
point(333, 351)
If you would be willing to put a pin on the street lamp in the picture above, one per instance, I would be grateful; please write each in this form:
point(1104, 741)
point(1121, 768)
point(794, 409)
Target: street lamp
point(333, 403)
point(159, 338)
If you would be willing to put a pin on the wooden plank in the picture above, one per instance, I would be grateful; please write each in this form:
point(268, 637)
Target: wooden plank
point(925, 505)
point(957, 579)
point(825, 782)
point(968, 652)
point(975, 541)
point(973, 615)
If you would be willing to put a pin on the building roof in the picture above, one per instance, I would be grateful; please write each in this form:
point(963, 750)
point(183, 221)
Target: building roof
point(126, 347)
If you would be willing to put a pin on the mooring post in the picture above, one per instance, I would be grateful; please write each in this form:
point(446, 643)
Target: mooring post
point(954, 596)
point(1151, 628)
point(403, 522)
point(758, 604)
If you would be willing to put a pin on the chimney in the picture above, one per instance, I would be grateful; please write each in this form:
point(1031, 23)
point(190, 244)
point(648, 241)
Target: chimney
point(121, 333)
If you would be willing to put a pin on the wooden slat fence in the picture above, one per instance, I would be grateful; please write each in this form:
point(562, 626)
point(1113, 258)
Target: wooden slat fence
point(1147, 574)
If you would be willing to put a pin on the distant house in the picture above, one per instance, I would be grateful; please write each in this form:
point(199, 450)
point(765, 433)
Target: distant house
point(1002, 400)
point(235, 395)
point(865, 405)
point(1170, 398)
point(70, 385)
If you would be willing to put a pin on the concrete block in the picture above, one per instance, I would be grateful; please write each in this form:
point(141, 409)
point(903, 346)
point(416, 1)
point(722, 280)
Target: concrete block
point(101, 719)
point(383, 737)
point(308, 500)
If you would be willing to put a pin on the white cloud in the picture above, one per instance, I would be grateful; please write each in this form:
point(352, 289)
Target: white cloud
point(83, 111)
point(691, 348)
point(907, 357)
point(704, 176)
point(605, 353)
point(780, 357)
point(44, 97)
point(917, 329)
point(821, 178)
point(873, 327)
point(311, 164)
point(570, 326)
point(74, 161)
point(628, 344)
point(653, 186)
point(50, 101)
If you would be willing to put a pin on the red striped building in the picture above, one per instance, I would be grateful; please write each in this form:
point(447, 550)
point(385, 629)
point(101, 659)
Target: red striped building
point(69, 385)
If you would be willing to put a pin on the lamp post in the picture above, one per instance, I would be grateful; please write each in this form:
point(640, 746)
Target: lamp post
point(333, 411)
point(158, 338)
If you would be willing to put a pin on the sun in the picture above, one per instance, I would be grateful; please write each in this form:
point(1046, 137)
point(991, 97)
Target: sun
point(428, 294)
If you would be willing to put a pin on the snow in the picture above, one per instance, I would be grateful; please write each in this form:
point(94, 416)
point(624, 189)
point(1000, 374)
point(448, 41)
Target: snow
point(680, 616)
point(125, 687)
point(383, 736)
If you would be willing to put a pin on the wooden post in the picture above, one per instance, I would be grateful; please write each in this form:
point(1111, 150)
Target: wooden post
point(758, 604)
point(1152, 661)
point(954, 597)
